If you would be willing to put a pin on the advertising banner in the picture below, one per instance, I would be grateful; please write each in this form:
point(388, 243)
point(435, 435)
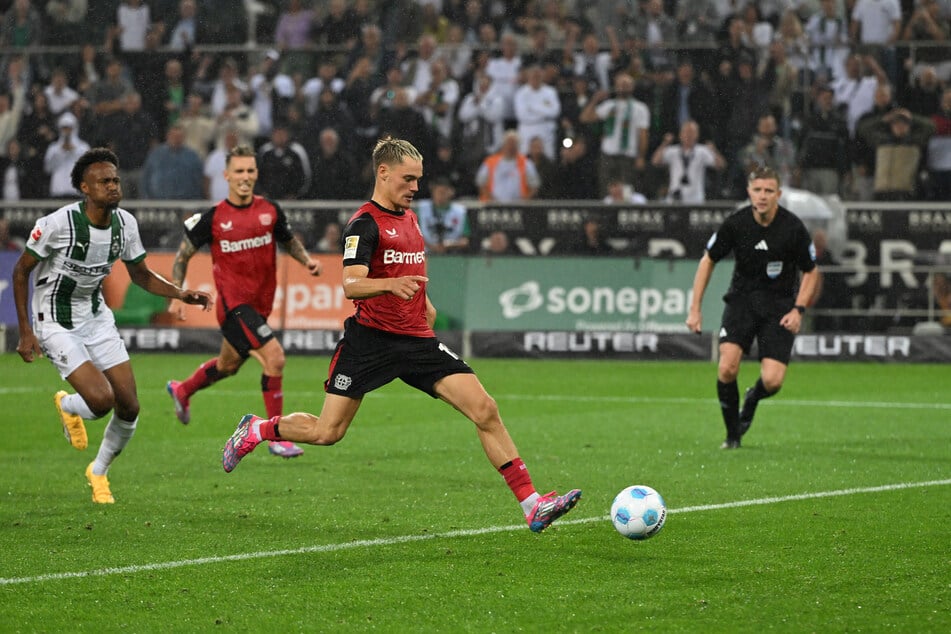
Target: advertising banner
point(8, 310)
point(641, 346)
point(301, 301)
point(573, 294)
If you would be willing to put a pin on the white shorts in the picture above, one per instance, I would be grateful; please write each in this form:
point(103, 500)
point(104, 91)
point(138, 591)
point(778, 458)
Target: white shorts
point(96, 340)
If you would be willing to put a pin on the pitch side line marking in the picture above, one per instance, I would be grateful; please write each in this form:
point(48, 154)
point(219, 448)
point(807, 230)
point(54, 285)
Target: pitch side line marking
point(405, 539)
point(591, 399)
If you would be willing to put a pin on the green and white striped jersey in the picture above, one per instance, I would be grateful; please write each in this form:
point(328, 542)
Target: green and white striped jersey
point(75, 256)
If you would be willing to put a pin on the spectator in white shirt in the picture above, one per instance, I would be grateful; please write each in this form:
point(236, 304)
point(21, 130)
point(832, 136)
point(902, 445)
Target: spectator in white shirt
point(62, 154)
point(537, 107)
point(133, 19)
point(687, 164)
point(624, 132)
point(504, 73)
point(59, 96)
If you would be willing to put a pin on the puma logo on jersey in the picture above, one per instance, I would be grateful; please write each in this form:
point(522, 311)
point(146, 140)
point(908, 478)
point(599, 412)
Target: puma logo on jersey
point(761, 246)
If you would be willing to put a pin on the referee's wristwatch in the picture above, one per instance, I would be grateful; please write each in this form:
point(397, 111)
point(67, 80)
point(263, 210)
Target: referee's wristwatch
point(800, 308)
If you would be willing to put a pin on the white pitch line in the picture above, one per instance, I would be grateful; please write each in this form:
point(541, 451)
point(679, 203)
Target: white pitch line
point(670, 400)
point(405, 539)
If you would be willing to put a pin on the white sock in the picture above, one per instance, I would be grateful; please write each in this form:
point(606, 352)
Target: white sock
point(114, 439)
point(529, 503)
point(74, 404)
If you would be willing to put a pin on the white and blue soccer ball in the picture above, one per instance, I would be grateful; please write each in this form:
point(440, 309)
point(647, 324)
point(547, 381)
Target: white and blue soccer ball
point(638, 512)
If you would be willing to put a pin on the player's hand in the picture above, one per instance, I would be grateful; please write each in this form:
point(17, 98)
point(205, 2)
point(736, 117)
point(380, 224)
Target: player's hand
point(406, 287)
point(694, 321)
point(198, 298)
point(792, 321)
point(29, 347)
point(316, 267)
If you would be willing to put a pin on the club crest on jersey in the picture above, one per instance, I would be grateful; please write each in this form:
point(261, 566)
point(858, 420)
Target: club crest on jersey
point(226, 226)
point(773, 269)
point(115, 248)
point(342, 382)
point(265, 219)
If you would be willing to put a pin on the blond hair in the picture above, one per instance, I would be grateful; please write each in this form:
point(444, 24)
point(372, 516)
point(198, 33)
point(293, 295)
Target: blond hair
point(391, 151)
point(239, 150)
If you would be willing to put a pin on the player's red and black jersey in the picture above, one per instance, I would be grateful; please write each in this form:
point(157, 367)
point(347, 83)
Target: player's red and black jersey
point(390, 244)
point(768, 259)
point(243, 244)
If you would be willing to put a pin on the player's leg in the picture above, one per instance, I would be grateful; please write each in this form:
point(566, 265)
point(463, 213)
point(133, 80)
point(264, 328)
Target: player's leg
point(229, 360)
point(731, 354)
point(118, 431)
point(108, 352)
point(775, 346)
point(738, 328)
point(335, 417)
point(271, 357)
point(772, 374)
point(92, 398)
point(466, 393)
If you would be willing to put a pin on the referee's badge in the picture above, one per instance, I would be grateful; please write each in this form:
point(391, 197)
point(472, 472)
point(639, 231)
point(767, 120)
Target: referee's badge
point(773, 269)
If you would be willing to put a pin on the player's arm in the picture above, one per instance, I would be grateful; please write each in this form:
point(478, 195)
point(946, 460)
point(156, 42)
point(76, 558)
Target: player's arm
point(430, 313)
point(28, 346)
point(180, 266)
point(356, 284)
point(154, 283)
point(295, 248)
point(700, 281)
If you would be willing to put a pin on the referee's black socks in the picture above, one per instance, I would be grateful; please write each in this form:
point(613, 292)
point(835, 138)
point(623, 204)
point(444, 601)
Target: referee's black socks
point(729, 397)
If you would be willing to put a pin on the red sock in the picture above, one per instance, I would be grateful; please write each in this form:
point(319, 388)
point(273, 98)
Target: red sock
point(268, 428)
point(516, 476)
point(205, 375)
point(273, 395)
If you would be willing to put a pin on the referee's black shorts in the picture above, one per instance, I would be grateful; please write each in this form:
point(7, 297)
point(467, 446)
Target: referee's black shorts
point(368, 358)
point(745, 319)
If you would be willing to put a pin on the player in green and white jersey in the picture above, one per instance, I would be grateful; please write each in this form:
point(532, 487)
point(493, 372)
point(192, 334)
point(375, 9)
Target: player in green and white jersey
point(69, 253)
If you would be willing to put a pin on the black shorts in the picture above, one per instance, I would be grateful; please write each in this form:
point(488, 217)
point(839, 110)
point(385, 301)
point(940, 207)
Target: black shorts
point(246, 329)
point(745, 320)
point(367, 358)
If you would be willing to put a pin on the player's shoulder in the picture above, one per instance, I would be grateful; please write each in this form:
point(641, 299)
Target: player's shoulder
point(263, 201)
point(739, 217)
point(789, 217)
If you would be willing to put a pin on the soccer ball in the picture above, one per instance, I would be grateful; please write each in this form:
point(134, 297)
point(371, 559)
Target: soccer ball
point(638, 512)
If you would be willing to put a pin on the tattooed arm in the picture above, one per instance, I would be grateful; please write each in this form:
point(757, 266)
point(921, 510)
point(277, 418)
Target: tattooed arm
point(296, 250)
point(185, 252)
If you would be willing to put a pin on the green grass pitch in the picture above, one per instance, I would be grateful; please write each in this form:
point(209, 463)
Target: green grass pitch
point(833, 517)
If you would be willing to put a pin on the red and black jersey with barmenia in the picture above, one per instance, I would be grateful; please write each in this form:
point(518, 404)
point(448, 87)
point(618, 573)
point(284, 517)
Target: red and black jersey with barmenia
point(390, 244)
point(243, 243)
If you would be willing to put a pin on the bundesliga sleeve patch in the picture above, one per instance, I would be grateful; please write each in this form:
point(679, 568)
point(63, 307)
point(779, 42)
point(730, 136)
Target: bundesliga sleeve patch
point(350, 247)
point(192, 220)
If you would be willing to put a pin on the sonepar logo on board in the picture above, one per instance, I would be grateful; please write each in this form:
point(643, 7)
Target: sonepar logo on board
point(623, 301)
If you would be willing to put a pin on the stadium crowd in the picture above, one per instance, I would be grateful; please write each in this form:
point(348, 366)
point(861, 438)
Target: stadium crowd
point(663, 99)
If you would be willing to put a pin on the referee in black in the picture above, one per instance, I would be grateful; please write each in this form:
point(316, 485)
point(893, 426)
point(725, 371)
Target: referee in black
point(766, 298)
